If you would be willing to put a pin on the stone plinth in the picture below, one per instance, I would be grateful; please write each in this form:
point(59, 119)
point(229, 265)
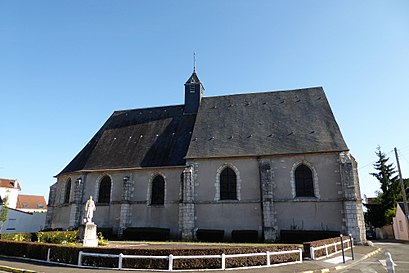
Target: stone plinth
point(88, 234)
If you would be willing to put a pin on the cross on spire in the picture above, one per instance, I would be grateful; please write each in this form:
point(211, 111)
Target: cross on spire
point(194, 62)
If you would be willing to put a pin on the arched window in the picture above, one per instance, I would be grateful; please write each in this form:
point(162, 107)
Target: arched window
point(104, 192)
point(304, 183)
point(67, 191)
point(228, 184)
point(158, 191)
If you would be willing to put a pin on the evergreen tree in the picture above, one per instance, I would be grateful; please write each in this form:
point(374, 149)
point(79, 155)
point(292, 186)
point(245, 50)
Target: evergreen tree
point(380, 213)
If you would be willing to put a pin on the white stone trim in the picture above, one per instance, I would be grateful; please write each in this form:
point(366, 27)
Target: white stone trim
point(217, 182)
point(149, 191)
point(314, 177)
point(96, 189)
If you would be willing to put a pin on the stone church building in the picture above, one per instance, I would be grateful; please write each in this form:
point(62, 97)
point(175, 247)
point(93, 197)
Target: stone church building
point(263, 162)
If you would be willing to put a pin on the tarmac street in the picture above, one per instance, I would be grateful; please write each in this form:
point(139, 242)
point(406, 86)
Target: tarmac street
point(367, 260)
point(400, 256)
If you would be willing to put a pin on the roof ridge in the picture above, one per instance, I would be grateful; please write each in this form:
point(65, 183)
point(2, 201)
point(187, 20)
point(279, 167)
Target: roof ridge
point(267, 92)
point(149, 108)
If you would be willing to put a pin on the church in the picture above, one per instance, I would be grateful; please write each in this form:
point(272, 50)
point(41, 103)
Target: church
point(261, 162)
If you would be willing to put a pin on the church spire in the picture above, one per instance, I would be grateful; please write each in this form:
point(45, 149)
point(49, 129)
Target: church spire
point(194, 62)
point(193, 91)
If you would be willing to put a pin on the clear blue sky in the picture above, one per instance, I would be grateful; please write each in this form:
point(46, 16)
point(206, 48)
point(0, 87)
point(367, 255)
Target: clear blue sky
point(65, 66)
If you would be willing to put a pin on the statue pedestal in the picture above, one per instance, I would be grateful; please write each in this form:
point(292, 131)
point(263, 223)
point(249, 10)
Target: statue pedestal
point(88, 234)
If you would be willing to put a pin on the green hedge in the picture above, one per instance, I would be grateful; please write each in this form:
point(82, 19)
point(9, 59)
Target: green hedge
point(331, 249)
point(69, 255)
point(54, 237)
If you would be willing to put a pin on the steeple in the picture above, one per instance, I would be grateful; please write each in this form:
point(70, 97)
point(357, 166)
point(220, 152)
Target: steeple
point(193, 93)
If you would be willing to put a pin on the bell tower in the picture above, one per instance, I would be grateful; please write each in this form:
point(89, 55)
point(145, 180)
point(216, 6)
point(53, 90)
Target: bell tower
point(193, 93)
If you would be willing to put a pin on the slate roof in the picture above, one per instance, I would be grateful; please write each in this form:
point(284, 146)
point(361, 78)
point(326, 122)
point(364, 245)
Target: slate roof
point(25, 201)
point(270, 123)
point(9, 183)
point(254, 124)
point(148, 137)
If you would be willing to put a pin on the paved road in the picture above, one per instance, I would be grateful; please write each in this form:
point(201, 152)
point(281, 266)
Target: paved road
point(375, 264)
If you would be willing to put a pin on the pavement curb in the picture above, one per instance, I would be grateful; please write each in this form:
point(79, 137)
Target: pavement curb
point(15, 270)
point(325, 270)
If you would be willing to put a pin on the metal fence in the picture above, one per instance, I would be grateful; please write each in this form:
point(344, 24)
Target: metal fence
point(333, 246)
point(171, 258)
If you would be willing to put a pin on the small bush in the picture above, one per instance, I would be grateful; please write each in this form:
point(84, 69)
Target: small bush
point(210, 235)
point(57, 237)
point(19, 237)
point(322, 252)
point(146, 234)
point(244, 236)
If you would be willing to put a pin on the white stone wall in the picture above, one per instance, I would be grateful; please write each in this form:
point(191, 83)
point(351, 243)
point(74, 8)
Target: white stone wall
point(18, 221)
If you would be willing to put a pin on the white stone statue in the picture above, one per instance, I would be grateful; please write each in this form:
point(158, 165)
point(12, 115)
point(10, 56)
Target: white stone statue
point(89, 210)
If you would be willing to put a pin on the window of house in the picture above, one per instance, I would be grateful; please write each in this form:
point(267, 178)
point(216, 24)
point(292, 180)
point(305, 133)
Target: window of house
point(67, 191)
point(11, 224)
point(40, 206)
point(158, 191)
point(304, 183)
point(25, 205)
point(104, 192)
point(228, 184)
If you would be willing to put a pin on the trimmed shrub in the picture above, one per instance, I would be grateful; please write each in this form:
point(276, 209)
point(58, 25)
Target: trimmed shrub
point(69, 255)
point(300, 236)
point(322, 252)
point(244, 236)
point(19, 237)
point(146, 234)
point(210, 235)
point(57, 237)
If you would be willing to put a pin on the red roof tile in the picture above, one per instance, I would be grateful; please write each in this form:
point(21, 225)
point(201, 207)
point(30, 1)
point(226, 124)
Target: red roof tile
point(31, 202)
point(9, 183)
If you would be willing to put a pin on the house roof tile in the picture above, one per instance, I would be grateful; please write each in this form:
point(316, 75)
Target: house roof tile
point(31, 202)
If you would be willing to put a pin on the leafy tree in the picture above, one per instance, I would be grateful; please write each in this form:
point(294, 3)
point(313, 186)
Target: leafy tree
point(380, 213)
point(4, 211)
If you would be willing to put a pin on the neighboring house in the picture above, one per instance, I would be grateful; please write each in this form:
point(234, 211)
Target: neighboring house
point(400, 225)
point(264, 162)
point(9, 188)
point(26, 213)
point(20, 221)
point(31, 203)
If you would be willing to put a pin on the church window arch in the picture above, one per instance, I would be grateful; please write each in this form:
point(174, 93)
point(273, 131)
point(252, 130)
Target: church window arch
point(104, 190)
point(304, 180)
point(157, 196)
point(228, 183)
point(304, 186)
point(67, 191)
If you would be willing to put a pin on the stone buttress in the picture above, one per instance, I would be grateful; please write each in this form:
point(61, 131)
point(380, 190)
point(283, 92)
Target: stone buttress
point(187, 206)
point(353, 217)
point(267, 201)
point(76, 204)
point(125, 214)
